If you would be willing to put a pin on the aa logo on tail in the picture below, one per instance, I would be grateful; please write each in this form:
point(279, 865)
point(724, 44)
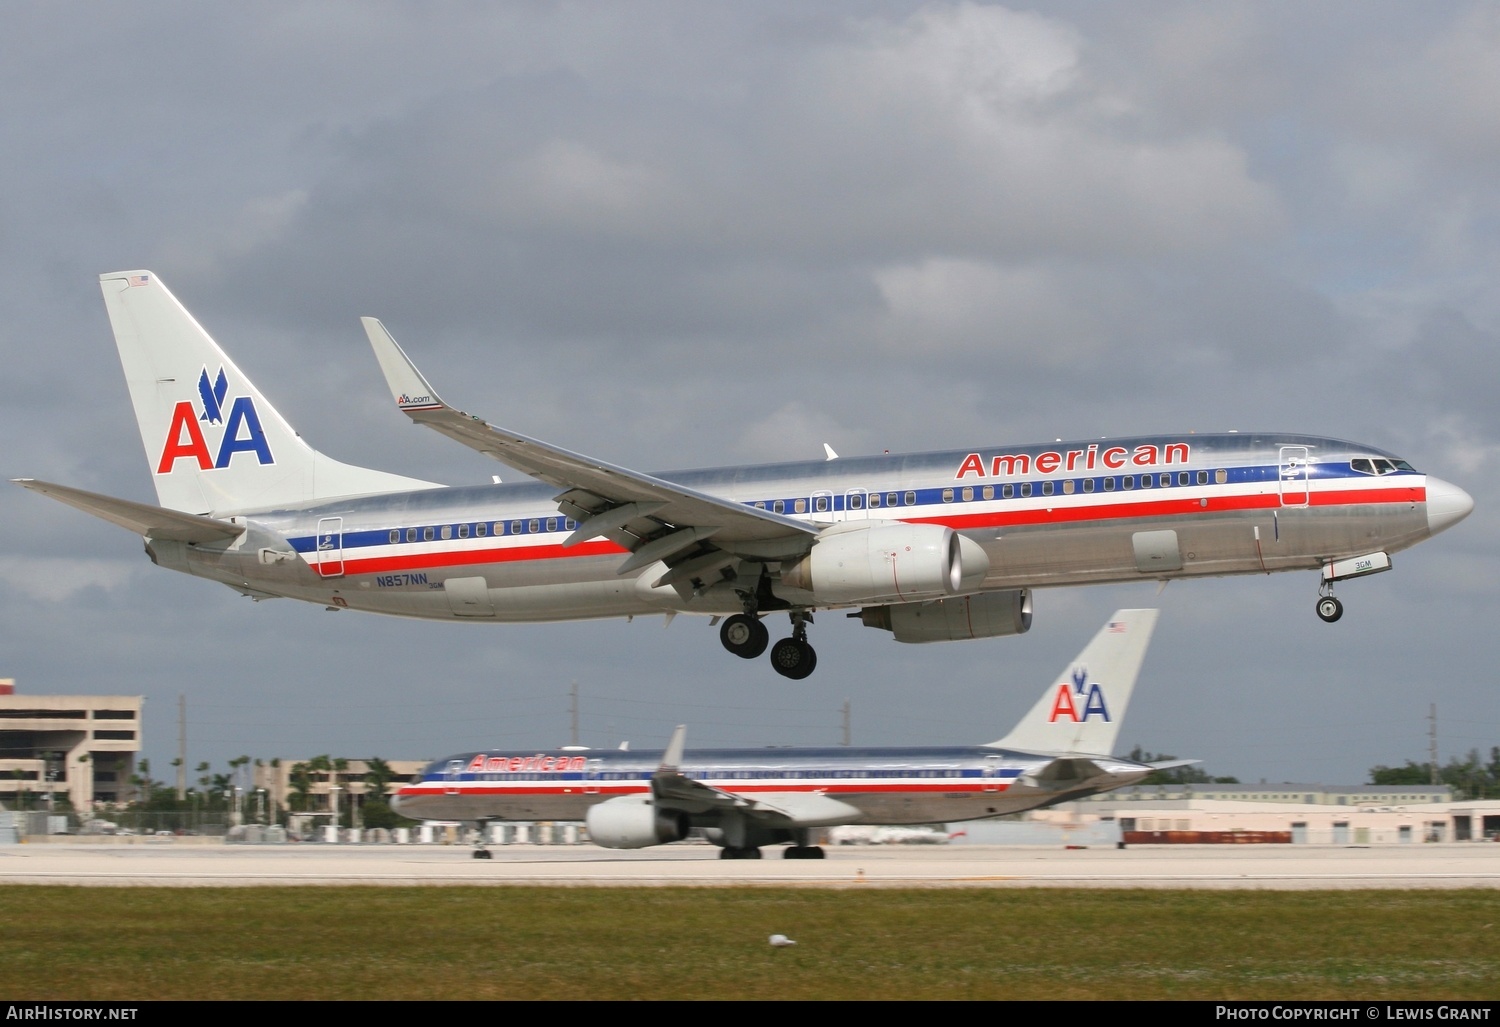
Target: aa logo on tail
point(1079, 701)
point(241, 433)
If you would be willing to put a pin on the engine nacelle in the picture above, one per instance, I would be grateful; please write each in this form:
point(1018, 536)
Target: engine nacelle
point(632, 822)
point(989, 615)
point(888, 562)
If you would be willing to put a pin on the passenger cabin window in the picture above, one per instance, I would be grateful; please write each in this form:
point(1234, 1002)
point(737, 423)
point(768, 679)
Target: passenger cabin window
point(1109, 484)
point(1183, 478)
point(1127, 482)
point(779, 506)
point(1221, 476)
point(411, 534)
point(989, 492)
point(1166, 480)
point(515, 527)
point(1007, 491)
point(534, 525)
point(551, 523)
point(968, 494)
point(820, 504)
point(1025, 490)
point(947, 495)
point(479, 529)
point(1202, 477)
point(395, 535)
point(1068, 487)
point(800, 506)
point(910, 499)
point(447, 531)
point(1147, 481)
point(874, 500)
point(1046, 488)
point(463, 531)
point(1088, 484)
point(426, 534)
point(856, 501)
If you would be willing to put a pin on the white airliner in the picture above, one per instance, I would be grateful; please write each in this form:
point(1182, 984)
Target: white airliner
point(746, 798)
point(931, 547)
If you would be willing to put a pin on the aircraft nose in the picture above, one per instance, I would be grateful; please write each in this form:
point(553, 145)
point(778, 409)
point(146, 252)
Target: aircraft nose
point(1446, 505)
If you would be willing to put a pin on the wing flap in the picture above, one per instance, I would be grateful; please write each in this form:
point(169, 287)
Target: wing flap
point(141, 518)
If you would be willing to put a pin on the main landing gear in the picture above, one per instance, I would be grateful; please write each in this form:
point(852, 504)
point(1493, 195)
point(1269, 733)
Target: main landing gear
point(1329, 608)
point(802, 852)
point(746, 636)
point(746, 853)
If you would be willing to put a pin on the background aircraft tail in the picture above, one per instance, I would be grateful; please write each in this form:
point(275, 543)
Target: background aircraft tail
point(214, 442)
point(1082, 710)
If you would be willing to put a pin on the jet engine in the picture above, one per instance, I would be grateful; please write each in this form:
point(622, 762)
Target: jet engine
point(888, 562)
point(632, 822)
point(989, 615)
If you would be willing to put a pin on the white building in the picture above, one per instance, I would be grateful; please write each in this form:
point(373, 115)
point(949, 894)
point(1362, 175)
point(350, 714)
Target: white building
point(81, 746)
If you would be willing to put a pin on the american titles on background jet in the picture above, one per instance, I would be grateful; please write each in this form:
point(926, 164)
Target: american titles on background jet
point(745, 798)
point(930, 547)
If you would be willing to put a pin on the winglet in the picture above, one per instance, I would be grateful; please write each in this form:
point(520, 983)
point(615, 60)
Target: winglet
point(408, 388)
point(671, 760)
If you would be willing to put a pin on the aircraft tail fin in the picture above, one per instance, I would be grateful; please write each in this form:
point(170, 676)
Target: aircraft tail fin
point(1082, 710)
point(215, 444)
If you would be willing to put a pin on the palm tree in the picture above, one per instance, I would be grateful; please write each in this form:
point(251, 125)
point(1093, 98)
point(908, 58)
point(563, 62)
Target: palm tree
point(300, 780)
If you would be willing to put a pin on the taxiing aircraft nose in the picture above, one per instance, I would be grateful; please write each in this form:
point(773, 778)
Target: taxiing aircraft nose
point(1446, 505)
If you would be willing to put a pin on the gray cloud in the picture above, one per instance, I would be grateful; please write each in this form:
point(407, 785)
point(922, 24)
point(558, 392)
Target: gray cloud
point(674, 235)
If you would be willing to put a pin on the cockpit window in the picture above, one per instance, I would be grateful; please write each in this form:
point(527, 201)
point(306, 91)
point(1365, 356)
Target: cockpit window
point(1377, 465)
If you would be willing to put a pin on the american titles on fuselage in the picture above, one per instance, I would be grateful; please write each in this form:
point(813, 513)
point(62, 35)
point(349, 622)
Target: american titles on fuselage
point(1069, 460)
point(483, 763)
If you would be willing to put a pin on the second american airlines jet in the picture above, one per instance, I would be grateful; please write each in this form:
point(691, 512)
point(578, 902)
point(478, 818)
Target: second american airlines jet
point(930, 547)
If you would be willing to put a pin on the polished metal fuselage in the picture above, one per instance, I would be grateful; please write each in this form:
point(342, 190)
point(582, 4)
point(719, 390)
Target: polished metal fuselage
point(1046, 515)
point(886, 785)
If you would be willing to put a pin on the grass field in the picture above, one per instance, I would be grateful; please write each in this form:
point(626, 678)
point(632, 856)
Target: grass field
point(683, 943)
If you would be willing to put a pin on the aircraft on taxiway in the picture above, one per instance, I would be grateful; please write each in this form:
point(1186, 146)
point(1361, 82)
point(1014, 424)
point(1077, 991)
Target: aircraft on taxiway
point(930, 547)
point(745, 798)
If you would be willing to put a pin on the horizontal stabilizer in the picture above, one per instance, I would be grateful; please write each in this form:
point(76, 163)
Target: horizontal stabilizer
point(141, 518)
point(1172, 764)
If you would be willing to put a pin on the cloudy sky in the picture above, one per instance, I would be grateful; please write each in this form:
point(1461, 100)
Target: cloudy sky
point(686, 234)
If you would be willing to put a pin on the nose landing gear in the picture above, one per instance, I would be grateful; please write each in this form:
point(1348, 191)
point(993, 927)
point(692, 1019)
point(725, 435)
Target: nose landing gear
point(1329, 608)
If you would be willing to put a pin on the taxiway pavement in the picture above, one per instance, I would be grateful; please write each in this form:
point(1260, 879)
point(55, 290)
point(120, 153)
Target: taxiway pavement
point(1473, 865)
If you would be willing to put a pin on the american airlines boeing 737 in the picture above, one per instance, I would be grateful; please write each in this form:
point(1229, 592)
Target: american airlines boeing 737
point(930, 547)
point(746, 798)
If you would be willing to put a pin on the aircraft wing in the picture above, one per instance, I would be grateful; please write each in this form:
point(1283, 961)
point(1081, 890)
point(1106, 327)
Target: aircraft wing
point(653, 518)
point(141, 518)
point(670, 789)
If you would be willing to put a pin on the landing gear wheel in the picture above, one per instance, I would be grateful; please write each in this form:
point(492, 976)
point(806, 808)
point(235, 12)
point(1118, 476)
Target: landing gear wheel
point(483, 854)
point(802, 852)
point(745, 636)
point(1330, 609)
point(729, 853)
point(793, 658)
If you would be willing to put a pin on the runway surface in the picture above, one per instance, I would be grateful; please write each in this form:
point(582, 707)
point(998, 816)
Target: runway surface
point(1474, 865)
